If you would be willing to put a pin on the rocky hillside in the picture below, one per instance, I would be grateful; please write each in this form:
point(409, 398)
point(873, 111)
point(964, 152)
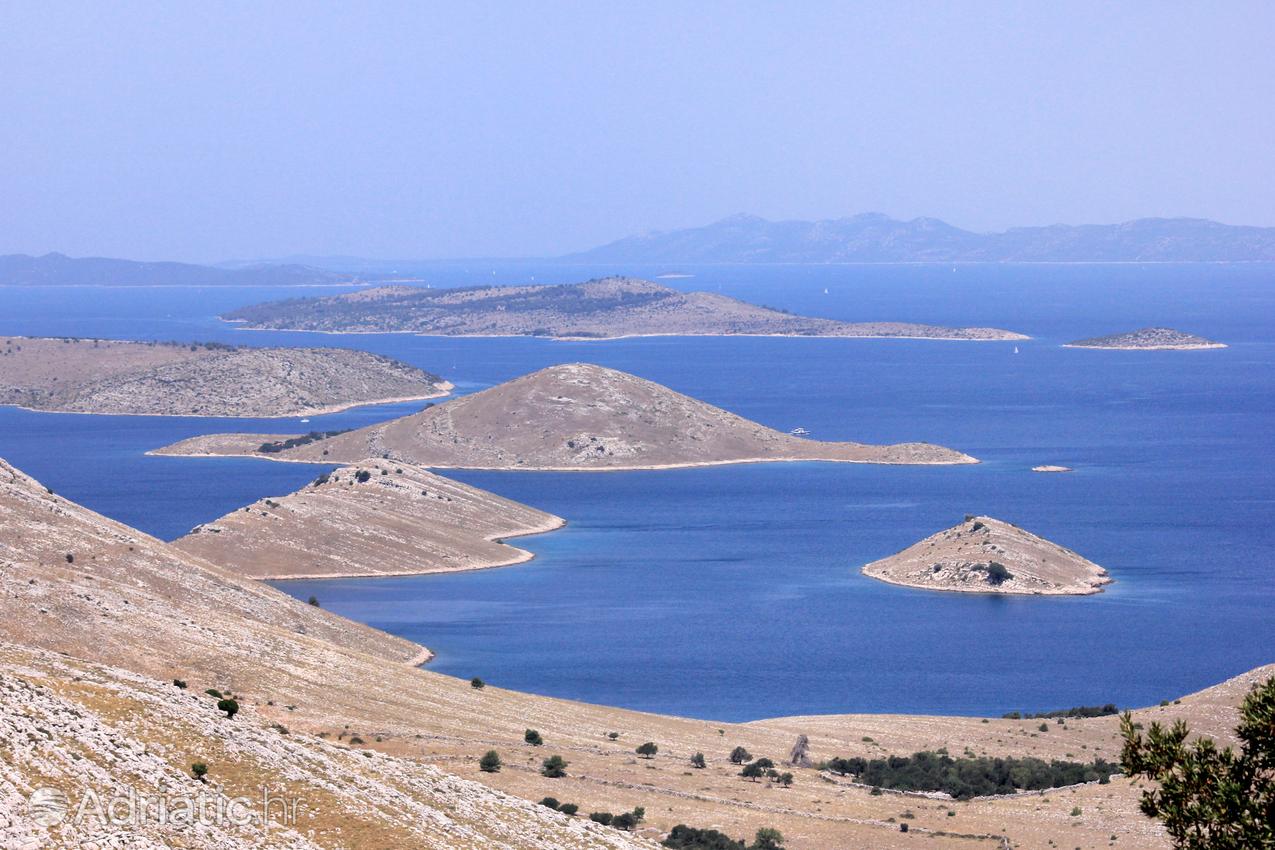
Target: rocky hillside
point(986, 555)
point(373, 518)
point(113, 377)
point(573, 417)
point(597, 309)
point(1148, 339)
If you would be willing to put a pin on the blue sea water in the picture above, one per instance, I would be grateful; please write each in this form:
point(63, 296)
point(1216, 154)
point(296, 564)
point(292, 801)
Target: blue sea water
point(734, 592)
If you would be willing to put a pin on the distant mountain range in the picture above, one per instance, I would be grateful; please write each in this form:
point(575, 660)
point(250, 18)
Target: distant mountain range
point(61, 270)
point(876, 238)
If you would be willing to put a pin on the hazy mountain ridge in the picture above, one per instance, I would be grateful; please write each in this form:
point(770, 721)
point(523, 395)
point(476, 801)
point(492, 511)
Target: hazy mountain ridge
point(60, 270)
point(877, 238)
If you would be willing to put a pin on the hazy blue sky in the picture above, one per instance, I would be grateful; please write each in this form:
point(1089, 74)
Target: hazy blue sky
point(206, 131)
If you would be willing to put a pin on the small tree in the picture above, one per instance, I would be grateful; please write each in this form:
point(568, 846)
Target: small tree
point(229, 706)
point(569, 809)
point(554, 767)
point(1210, 799)
point(362, 476)
point(531, 736)
point(997, 574)
point(785, 779)
point(648, 750)
point(753, 771)
point(768, 839)
point(739, 755)
point(199, 770)
point(697, 760)
point(314, 600)
point(477, 683)
point(490, 762)
point(765, 763)
point(550, 802)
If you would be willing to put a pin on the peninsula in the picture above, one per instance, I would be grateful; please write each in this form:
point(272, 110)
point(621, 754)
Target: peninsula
point(111, 639)
point(986, 555)
point(372, 518)
point(200, 379)
point(577, 417)
point(1148, 339)
point(607, 308)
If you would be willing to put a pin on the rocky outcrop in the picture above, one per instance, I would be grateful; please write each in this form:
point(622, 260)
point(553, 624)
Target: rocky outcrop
point(986, 555)
point(142, 378)
point(573, 417)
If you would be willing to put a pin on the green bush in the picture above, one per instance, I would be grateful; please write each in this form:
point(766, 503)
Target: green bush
point(603, 818)
point(199, 770)
point(697, 760)
point(477, 683)
point(967, 777)
point(229, 706)
point(554, 767)
point(531, 736)
point(490, 762)
point(569, 809)
point(739, 755)
point(648, 750)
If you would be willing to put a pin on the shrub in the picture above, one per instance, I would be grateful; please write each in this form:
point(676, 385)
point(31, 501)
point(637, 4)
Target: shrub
point(785, 779)
point(628, 821)
point(70, 559)
point(697, 760)
point(554, 767)
point(531, 736)
point(550, 802)
point(179, 683)
point(362, 476)
point(477, 683)
point(490, 762)
point(997, 574)
point(313, 600)
point(768, 839)
point(685, 837)
point(213, 692)
point(613, 735)
point(603, 818)
point(1044, 727)
point(739, 755)
point(569, 809)
point(229, 706)
point(753, 771)
point(970, 777)
point(199, 770)
point(648, 750)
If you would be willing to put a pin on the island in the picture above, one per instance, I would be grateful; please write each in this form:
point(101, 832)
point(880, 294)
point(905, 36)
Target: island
point(986, 555)
point(1148, 339)
point(1049, 467)
point(70, 375)
point(606, 308)
point(371, 518)
point(571, 417)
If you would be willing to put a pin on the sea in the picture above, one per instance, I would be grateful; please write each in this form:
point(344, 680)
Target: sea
point(734, 593)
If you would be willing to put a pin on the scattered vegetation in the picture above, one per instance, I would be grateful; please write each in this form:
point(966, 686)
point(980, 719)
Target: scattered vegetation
point(685, 837)
point(1077, 711)
point(554, 767)
point(1210, 798)
point(293, 442)
point(965, 777)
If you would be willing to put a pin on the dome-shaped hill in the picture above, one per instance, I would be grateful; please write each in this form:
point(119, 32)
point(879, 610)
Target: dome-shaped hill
point(575, 416)
point(1148, 339)
point(986, 555)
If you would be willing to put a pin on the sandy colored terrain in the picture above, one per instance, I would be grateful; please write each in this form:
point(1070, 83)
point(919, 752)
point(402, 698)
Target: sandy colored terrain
point(399, 520)
point(141, 378)
point(962, 558)
point(606, 308)
point(153, 612)
point(1148, 339)
point(572, 417)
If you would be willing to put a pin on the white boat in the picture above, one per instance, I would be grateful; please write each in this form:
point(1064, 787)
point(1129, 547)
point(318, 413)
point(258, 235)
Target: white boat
point(799, 432)
point(1016, 349)
point(303, 421)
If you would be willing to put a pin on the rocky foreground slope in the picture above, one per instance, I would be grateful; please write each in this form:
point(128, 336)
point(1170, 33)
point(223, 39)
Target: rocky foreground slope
point(571, 417)
point(986, 555)
point(386, 755)
point(202, 379)
point(372, 518)
point(596, 309)
point(1148, 339)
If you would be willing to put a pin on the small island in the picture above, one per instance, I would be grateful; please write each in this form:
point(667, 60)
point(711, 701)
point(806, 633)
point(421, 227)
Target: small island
point(1148, 339)
point(389, 519)
point(572, 417)
point(606, 308)
point(986, 555)
point(200, 379)
point(1049, 467)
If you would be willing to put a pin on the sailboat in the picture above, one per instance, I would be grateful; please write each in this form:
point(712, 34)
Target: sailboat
point(1016, 349)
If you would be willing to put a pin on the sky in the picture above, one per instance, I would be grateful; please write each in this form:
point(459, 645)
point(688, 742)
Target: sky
point(212, 131)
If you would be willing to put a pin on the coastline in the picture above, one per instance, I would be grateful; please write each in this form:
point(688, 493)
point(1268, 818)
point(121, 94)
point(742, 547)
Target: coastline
point(1089, 591)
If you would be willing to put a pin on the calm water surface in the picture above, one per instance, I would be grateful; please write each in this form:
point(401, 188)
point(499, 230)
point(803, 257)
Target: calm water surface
point(733, 593)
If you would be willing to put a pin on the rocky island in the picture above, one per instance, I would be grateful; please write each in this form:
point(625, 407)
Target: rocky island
point(606, 308)
point(576, 416)
point(1148, 339)
point(986, 555)
point(200, 379)
point(372, 518)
